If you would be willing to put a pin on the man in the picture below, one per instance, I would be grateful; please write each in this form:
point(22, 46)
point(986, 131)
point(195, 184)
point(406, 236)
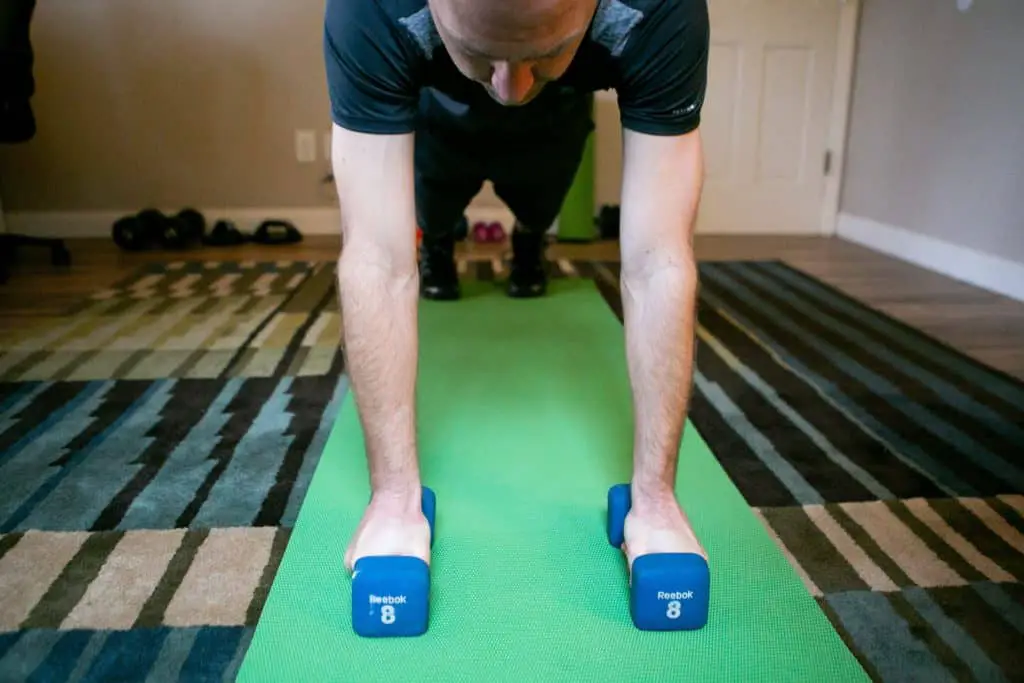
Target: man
point(428, 98)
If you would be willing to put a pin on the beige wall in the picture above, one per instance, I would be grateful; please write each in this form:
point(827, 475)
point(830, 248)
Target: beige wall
point(190, 102)
point(936, 138)
point(142, 102)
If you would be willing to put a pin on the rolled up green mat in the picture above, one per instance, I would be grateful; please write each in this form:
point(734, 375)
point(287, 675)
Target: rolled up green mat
point(576, 219)
point(525, 422)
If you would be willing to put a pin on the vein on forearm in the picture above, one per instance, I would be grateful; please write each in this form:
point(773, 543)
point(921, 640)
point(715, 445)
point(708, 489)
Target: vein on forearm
point(379, 322)
point(659, 301)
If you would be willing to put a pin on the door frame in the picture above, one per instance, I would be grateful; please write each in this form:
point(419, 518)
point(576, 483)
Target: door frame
point(846, 57)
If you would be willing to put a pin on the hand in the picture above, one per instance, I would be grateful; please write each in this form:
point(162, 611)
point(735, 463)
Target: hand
point(390, 527)
point(657, 524)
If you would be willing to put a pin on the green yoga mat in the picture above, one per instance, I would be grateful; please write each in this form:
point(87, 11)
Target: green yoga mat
point(525, 421)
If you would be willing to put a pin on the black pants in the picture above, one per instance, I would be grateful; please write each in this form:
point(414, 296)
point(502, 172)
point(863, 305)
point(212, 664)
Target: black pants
point(531, 166)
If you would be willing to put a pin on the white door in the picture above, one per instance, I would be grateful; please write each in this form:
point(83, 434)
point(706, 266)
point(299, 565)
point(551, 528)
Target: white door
point(767, 116)
point(766, 121)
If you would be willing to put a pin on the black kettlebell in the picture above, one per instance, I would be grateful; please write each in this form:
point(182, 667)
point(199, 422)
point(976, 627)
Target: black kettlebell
point(138, 232)
point(183, 230)
point(194, 224)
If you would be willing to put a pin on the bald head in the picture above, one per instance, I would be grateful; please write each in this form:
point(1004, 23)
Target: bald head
point(512, 47)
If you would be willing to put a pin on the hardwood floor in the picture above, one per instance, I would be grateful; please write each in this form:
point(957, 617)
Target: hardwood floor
point(986, 326)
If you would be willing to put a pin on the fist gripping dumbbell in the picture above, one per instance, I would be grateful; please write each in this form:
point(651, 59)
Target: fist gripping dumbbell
point(668, 591)
point(391, 593)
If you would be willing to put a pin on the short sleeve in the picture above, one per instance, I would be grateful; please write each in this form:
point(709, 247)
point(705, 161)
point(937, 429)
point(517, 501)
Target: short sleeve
point(663, 69)
point(371, 68)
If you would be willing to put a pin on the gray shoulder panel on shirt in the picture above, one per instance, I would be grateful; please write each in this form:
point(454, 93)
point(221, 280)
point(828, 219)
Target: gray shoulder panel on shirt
point(421, 26)
point(613, 21)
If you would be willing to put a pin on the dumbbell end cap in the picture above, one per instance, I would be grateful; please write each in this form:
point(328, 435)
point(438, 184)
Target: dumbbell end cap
point(670, 592)
point(429, 508)
point(619, 502)
point(390, 596)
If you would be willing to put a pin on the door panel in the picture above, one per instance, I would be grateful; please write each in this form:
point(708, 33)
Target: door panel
point(767, 115)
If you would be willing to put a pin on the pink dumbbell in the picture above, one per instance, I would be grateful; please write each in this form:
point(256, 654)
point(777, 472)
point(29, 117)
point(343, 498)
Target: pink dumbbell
point(481, 232)
point(496, 232)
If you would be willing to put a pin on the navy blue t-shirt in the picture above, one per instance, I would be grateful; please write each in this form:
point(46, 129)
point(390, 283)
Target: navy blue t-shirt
point(381, 54)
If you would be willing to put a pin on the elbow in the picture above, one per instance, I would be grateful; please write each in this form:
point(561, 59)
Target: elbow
point(366, 264)
point(662, 286)
point(667, 286)
point(664, 280)
point(672, 268)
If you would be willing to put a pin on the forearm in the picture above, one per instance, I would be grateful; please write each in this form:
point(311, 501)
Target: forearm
point(378, 289)
point(662, 186)
point(379, 321)
point(659, 307)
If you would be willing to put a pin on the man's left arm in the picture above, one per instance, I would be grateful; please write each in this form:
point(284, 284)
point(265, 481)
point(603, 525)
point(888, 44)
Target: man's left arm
point(662, 181)
point(661, 95)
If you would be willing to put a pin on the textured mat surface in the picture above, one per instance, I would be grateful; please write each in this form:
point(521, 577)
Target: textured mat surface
point(156, 441)
point(525, 422)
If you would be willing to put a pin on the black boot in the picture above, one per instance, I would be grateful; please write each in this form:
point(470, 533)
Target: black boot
point(439, 278)
point(527, 276)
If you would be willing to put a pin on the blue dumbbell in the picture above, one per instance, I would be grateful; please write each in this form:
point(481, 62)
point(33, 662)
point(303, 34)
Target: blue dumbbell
point(668, 591)
point(391, 594)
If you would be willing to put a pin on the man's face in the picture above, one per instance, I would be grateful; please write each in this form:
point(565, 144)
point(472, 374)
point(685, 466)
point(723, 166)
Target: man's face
point(512, 47)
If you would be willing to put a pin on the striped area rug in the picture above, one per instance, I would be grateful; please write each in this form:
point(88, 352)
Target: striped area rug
point(155, 445)
point(157, 440)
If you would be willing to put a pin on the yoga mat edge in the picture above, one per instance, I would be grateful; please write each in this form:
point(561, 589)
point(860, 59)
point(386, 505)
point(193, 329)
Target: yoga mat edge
point(524, 422)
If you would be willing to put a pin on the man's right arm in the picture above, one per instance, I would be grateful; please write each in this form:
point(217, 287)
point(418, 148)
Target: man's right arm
point(373, 71)
point(378, 291)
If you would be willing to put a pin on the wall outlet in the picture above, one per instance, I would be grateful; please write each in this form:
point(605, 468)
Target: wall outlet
point(305, 146)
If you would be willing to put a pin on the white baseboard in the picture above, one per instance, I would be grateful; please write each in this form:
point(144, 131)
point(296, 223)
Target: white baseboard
point(84, 224)
point(309, 221)
point(962, 263)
